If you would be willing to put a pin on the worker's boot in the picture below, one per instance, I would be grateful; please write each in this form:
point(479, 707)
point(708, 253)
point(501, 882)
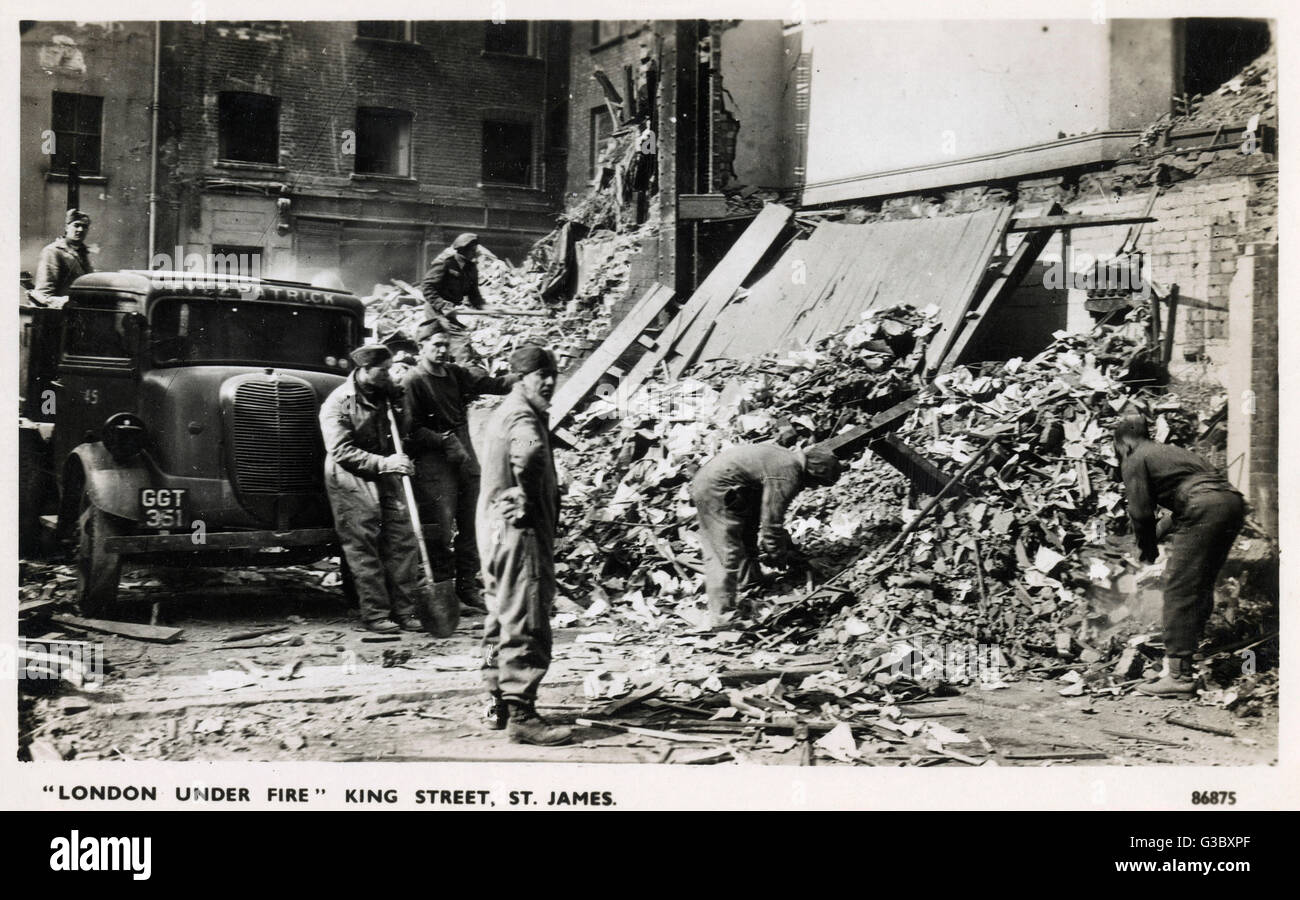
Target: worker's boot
point(497, 713)
point(527, 727)
point(1175, 680)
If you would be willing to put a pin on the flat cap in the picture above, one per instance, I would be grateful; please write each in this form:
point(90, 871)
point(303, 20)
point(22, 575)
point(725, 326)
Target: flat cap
point(371, 355)
point(532, 358)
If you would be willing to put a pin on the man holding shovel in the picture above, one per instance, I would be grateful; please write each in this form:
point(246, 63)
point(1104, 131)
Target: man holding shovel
point(364, 472)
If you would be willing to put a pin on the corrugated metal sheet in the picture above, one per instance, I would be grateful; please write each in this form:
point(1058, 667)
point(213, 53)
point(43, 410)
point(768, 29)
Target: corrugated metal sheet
point(826, 282)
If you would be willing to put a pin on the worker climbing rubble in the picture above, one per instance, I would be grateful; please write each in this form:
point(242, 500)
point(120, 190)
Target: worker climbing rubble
point(741, 497)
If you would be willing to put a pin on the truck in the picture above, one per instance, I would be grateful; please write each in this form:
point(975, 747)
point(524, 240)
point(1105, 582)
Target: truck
point(170, 418)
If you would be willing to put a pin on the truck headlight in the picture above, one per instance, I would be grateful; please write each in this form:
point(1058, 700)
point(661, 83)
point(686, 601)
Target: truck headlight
point(123, 435)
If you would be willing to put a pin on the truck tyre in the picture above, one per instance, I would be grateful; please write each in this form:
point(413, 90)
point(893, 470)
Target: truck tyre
point(98, 571)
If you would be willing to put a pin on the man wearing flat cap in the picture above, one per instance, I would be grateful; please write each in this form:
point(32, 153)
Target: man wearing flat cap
point(363, 475)
point(518, 511)
point(452, 280)
point(741, 497)
point(438, 394)
point(64, 260)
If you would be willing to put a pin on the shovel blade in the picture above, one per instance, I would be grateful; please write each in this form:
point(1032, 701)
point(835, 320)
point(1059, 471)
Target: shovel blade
point(440, 609)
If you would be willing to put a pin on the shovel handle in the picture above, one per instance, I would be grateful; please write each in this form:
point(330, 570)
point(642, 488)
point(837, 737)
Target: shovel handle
point(411, 507)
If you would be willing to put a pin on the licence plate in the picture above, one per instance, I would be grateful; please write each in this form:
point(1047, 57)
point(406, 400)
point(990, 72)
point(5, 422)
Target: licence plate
point(163, 507)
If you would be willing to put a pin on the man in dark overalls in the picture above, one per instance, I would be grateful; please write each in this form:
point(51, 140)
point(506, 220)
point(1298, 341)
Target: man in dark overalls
point(438, 394)
point(363, 479)
point(741, 496)
point(1208, 513)
point(518, 514)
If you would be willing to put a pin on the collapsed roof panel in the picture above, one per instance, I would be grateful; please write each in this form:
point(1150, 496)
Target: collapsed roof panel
point(824, 283)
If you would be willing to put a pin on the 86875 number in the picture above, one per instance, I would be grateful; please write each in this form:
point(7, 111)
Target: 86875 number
point(1214, 798)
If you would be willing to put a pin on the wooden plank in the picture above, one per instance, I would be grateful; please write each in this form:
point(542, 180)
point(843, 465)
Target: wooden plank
point(720, 283)
point(1013, 272)
point(701, 206)
point(853, 441)
point(942, 339)
point(578, 385)
point(153, 633)
point(920, 471)
point(1075, 221)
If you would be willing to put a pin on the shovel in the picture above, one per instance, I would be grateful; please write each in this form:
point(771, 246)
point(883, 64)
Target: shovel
point(439, 609)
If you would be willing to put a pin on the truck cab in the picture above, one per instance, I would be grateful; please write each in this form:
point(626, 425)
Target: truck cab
point(177, 420)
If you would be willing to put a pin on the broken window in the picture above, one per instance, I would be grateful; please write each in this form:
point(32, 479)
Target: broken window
point(602, 126)
point(513, 38)
point(249, 126)
point(383, 142)
point(1214, 50)
point(508, 153)
point(77, 122)
point(385, 30)
point(605, 30)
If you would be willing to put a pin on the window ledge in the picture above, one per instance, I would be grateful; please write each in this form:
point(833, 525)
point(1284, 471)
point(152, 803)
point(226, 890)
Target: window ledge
point(389, 42)
point(249, 166)
point(380, 176)
point(499, 54)
point(81, 179)
point(506, 186)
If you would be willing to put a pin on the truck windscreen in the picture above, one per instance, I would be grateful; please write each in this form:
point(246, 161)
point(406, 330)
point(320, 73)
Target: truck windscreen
point(192, 331)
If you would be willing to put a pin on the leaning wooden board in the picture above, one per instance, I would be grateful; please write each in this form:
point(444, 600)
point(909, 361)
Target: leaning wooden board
point(580, 383)
point(715, 291)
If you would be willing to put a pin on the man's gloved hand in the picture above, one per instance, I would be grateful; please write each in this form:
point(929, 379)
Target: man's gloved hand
point(512, 505)
point(773, 550)
point(397, 464)
point(453, 449)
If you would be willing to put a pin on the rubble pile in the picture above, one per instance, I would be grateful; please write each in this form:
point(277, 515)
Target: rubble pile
point(634, 549)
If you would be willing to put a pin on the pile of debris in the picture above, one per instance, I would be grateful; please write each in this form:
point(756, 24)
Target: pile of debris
point(1027, 551)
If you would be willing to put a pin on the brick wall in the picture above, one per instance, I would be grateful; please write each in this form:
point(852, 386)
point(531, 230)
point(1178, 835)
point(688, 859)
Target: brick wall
point(321, 72)
point(612, 57)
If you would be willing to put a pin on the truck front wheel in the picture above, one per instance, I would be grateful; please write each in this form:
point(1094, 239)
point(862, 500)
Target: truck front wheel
point(98, 571)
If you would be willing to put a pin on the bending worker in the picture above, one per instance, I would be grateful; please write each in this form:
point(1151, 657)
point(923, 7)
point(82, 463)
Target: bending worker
point(1208, 513)
point(438, 394)
point(741, 496)
point(363, 478)
point(518, 511)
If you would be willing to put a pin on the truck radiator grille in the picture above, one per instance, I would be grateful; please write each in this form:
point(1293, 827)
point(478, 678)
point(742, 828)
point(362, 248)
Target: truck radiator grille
point(276, 438)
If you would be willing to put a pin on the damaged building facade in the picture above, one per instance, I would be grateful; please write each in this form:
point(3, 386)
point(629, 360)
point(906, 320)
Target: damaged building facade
point(357, 149)
point(852, 122)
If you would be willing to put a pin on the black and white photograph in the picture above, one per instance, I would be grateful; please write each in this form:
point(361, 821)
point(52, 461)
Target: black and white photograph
point(847, 387)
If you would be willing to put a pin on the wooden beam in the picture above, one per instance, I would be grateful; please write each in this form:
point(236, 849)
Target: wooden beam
point(625, 334)
point(721, 282)
point(1013, 272)
point(852, 442)
point(952, 320)
point(701, 206)
point(920, 471)
point(154, 633)
point(1068, 221)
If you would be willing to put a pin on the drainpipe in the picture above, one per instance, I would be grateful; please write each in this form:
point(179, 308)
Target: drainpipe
point(153, 146)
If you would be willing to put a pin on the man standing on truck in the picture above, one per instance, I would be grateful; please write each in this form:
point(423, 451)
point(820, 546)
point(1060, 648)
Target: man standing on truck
point(363, 479)
point(64, 260)
point(438, 394)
